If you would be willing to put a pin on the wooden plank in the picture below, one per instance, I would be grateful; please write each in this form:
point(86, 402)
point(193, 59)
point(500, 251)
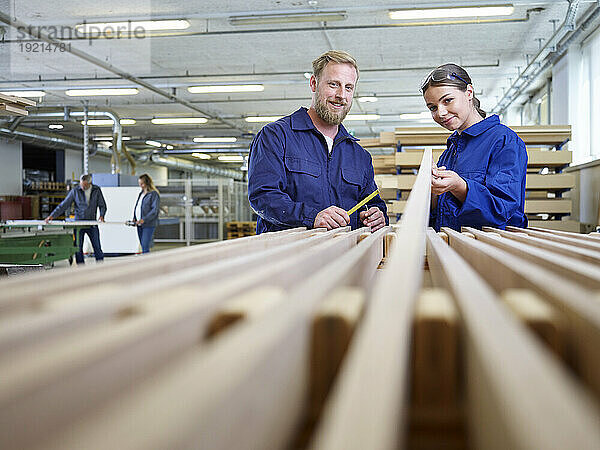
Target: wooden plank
point(409, 159)
point(333, 326)
point(534, 403)
point(569, 249)
point(563, 239)
point(550, 182)
point(544, 320)
point(551, 206)
point(259, 365)
point(396, 206)
point(586, 274)
point(374, 375)
point(12, 110)
point(579, 305)
point(16, 100)
point(574, 235)
point(560, 225)
point(402, 182)
point(547, 158)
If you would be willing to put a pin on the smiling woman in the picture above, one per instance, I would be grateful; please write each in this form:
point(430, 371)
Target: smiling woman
point(479, 180)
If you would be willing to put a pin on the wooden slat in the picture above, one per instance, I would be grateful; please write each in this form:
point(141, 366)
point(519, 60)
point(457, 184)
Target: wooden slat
point(579, 305)
point(396, 206)
point(550, 182)
point(563, 239)
point(374, 375)
point(402, 182)
point(540, 406)
point(16, 100)
point(562, 225)
point(581, 272)
point(574, 235)
point(583, 254)
point(551, 206)
point(544, 158)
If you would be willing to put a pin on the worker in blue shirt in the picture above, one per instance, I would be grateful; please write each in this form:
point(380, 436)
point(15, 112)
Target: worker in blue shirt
point(306, 169)
point(88, 199)
point(479, 180)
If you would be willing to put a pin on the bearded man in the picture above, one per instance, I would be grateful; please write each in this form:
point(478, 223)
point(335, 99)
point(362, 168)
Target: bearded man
point(305, 169)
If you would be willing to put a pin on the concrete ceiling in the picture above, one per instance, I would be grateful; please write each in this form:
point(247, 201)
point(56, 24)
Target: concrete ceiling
point(392, 59)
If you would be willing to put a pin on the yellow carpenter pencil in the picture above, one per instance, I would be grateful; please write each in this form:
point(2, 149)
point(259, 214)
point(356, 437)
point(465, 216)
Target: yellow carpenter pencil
point(363, 202)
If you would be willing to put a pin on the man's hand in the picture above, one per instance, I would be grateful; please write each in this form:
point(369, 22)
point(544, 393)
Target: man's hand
point(101, 219)
point(140, 222)
point(332, 217)
point(373, 218)
point(448, 181)
point(48, 219)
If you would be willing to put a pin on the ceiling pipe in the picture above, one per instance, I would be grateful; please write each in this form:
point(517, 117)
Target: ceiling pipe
point(36, 32)
point(528, 75)
point(180, 164)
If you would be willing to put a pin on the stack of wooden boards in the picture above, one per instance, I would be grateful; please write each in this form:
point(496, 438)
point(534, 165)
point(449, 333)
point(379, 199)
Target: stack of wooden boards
point(240, 229)
point(544, 204)
point(14, 106)
point(295, 339)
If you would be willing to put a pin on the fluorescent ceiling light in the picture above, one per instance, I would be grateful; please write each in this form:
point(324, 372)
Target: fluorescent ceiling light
point(362, 117)
point(107, 122)
point(231, 158)
point(288, 18)
point(367, 99)
point(253, 119)
point(103, 92)
point(226, 88)
point(55, 126)
point(170, 147)
point(24, 93)
point(179, 120)
point(154, 143)
point(201, 155)
point(110, 138)
point(448, 13)
point(130, 27)
point(416, 116)
point(215, 139)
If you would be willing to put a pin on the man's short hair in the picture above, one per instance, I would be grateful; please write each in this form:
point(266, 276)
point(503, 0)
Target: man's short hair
point(335, 56)
point(86, 177)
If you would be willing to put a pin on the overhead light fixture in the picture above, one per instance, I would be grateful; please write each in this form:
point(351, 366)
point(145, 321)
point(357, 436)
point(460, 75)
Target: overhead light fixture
point(110, 138)
point(452, 12)
point(226, 88)
point(259, 19)
point(108, 122)
point(416, 116)
point(215, 139)
point(307, 75)
point(367, 99)
point(131, 27)
point(101, 91)
point(55, 126)
point(170, 147)
point(362, 117)
point(201, 155)
point(231, 158)
point(254, 119)
point(24, 93)
point(179, 120)
point(154, 143)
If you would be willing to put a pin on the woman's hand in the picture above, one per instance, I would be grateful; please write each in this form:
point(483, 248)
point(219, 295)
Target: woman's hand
point(443, 180)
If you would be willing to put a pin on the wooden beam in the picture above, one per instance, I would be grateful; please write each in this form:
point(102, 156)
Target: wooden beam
point(550, 206)
point(541, 406)
point(550, 182)
point(374, 375)
point(586, 274)
point(562, 225)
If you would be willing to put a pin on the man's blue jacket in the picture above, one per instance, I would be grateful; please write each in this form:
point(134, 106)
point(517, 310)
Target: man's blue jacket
point(292, 176)
point(492, 159)
point(83, 211)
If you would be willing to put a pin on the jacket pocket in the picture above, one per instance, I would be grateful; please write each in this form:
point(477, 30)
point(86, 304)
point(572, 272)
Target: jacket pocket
point(351, 187)
point(302, 166)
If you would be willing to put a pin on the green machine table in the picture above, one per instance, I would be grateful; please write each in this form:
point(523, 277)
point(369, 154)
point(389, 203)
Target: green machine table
point(38, 242)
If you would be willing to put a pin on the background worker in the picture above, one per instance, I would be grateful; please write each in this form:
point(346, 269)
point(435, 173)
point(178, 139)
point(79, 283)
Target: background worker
point(88, 199)
point(479, 180)
point(305, 169)
point(145, 212)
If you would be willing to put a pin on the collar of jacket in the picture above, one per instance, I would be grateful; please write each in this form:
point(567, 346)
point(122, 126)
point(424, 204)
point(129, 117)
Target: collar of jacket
point(478, 128)
point(300, 120)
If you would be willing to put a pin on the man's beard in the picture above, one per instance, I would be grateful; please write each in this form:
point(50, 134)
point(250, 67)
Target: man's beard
point(331, 117)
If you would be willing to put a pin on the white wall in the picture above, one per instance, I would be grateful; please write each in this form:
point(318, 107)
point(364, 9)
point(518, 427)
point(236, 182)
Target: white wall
point(73, 164)
point(11, 167)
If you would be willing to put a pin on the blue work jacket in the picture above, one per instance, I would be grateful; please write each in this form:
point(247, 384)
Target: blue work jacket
point(492, 159)
point(83, 210)
point(149, 211)
point(292, 176)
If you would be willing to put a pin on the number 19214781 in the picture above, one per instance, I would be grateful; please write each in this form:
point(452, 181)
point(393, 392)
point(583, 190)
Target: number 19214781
point(42, 47)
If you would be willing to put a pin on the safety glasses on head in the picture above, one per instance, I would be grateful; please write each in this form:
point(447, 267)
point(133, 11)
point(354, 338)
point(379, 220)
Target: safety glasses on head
point(437, 75)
